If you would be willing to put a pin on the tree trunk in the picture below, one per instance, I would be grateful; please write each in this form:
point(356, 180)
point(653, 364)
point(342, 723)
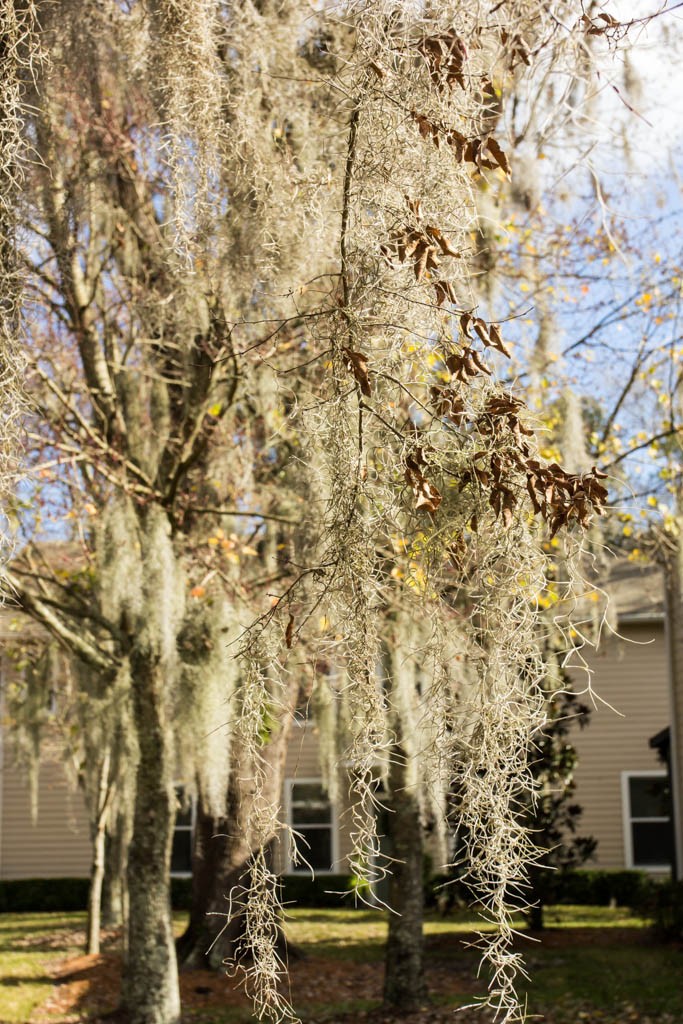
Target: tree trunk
point(219, 861)
point(114, 886)
point(221, 854)
point(95, 891)
point(404, 982)
point(537, 916)
point(150, 993)
point(97, 868)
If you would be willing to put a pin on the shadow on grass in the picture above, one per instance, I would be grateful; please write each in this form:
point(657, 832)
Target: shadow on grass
point(17, 980)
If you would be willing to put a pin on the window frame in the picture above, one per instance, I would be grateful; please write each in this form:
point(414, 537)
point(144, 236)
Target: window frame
point(184, 828)
point(628, 819)
point(302, 869)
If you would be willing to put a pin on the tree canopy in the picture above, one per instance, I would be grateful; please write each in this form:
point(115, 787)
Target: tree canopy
point(270, 412)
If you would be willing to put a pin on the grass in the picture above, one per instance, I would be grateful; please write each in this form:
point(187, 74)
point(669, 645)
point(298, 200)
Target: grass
point(640, 980)
point(360, 934)
point(28, 942)
point(595, 964)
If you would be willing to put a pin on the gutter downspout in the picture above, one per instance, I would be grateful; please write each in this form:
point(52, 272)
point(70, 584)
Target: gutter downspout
point(674, 638)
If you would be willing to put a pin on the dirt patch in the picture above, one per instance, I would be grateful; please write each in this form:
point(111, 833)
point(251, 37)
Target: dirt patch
point(87, 987)
point(324, 990)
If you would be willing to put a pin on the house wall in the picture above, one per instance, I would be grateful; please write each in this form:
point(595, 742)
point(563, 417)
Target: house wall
point(57, 844)
point(631, 675)
point(303, 762)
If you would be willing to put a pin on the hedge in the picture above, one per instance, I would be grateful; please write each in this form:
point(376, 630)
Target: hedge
point(36, 895)
point(24, 895)
point(597, 888)
point(634, 889)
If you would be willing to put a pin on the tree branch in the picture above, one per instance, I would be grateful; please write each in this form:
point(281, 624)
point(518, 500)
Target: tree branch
point(78, 643)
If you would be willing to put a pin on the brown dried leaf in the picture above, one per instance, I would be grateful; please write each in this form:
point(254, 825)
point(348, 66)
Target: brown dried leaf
point(427, 496)
point(479, 362)
point(424, 125)
point(497, 340)
point(531, 481)
point(458, 143)
point(422, 254)
point(415, 207)
point(358, 365)
point(440, 239)
point(498, 155)
point(444, 292)
point(481, 328)
point(447, 403)
point(412, 242)
point(289, 633)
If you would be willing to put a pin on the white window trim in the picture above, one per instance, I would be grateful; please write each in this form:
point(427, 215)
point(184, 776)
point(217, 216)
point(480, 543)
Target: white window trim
point(627, 819)
point(301, 869)
point(186, 828)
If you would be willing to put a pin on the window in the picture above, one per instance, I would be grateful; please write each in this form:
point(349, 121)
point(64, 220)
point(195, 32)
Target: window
point(648, 829)
point(181, 852)
point(311, 815)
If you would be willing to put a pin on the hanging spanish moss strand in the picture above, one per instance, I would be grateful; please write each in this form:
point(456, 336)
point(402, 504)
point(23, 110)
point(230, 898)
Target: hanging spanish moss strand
point(18, 56)
point(258, 958)
point(184, 55)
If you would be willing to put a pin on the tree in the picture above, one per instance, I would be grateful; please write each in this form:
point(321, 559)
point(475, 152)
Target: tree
point(232, 314)
point(131, 395)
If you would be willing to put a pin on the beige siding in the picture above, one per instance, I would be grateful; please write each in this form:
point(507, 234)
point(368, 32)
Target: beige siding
point(633, 678)
point(303, 762)
point(57, 846)
point(302, 753)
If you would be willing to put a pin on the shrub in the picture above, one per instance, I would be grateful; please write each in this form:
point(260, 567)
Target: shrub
point(633, 889)
point(665, 909)
point(37, 895)
point(22, 895)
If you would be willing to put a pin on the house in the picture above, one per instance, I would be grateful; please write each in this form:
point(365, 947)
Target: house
point(622, 781)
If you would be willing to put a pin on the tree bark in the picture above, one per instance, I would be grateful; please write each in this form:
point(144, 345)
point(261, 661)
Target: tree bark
point(404, 981)
point(150, 993)
point(219, 860)
point(99, 834)
point(114, 885)
point(537, 916)
point(221, 852)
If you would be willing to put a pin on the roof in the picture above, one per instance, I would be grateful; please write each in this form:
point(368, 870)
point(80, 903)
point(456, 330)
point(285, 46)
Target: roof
point(636, 590)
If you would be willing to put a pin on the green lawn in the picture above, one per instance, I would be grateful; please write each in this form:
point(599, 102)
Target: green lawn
point(28, 942)
point(599, 961)
point(595, 964)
